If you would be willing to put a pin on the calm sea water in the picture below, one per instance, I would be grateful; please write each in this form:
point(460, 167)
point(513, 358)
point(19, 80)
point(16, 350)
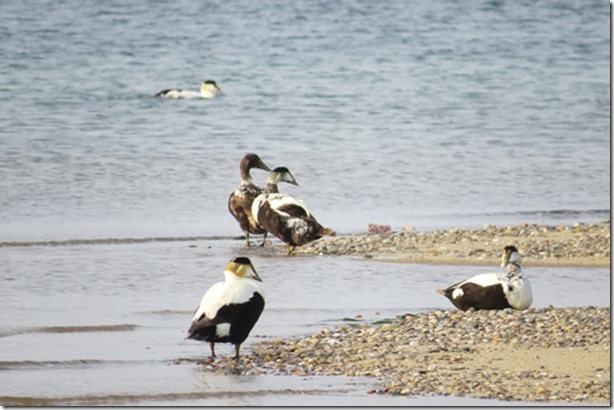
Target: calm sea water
point(428, 113)
point(393, 113)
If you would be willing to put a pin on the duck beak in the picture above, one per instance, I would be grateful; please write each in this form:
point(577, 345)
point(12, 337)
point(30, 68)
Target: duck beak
point(505, 258)
point(255, 275)
point(292, 180)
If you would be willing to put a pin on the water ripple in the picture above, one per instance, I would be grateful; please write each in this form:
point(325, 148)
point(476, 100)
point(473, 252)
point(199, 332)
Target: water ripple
point(68, 329)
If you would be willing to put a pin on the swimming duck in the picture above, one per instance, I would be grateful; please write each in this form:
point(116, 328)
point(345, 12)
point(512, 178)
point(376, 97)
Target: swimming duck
point(240, 200)
point(229, 310)
point(493, 290)
point(208, 89)
point(285, 217)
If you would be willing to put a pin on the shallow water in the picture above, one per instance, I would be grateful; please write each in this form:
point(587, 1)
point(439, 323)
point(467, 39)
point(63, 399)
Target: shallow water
point(103, 324)
point(393, 113)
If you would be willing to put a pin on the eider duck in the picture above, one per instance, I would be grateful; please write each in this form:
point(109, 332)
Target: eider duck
point(208, 89)
point(279, 174)
point(240, 200)
point(229, 310)
point(285, 217)
point(493, 290)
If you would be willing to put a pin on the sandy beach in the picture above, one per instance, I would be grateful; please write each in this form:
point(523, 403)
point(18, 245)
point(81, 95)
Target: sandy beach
point(552, 355)
point(543, 355)
point(540, 245)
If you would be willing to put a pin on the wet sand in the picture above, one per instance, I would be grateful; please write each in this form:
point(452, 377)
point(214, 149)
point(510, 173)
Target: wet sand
point(130, 353)
point(543, 355)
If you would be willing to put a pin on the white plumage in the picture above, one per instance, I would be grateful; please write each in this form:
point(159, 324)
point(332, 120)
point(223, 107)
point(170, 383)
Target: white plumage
point(229, 310)
point(284, 216)
point(234, 290)
point(279, 202)
point(208, 89)
point(493, 290)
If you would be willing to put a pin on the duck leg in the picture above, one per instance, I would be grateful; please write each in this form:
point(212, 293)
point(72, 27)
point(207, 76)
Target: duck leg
point(264, 239)
point(237, 347)
point(247, 238)
point(212, 347)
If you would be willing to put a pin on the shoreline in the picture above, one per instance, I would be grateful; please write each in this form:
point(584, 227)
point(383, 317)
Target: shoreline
point(577, 245)
point(553, 355)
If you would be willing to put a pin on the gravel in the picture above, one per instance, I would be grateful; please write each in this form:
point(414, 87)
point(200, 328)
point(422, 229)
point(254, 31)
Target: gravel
point(482, 354)
point(572, 245)
point(554, 355)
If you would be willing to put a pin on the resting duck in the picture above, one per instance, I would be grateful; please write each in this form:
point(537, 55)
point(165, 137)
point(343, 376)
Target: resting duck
point(208, 89)
point(229, 310)
point(240, 200)
point(493, 290)
point(285, 217)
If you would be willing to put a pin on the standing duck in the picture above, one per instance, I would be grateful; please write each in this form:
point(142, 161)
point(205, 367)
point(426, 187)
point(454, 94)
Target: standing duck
point(208, 89)
point(285, 217)
point(279, 174)
point(493, 290)
point(229, 310)
point(240, 200)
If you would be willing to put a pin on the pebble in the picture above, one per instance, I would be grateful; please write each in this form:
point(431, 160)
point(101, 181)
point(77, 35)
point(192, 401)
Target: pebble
point(411, 356)
point(429, 353)
point(535, 242)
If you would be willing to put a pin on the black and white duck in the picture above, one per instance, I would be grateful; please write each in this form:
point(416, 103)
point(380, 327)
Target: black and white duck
point(286, 217)
point(208, 89)
point(229, 310)
point(493, 290)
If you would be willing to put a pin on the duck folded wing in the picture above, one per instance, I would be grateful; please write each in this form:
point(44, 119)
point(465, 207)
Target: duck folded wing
point(481, 280)
point(198, 326)
point(163, 92)
point(286, 204)
point(293, 210)
point(226, 314)
point(240, 206)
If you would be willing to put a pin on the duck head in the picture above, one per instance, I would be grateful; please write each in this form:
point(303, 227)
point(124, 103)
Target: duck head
point(251, 160)
point(210, 86)
point(242, 267)
point(281, 174)
point(510, 256)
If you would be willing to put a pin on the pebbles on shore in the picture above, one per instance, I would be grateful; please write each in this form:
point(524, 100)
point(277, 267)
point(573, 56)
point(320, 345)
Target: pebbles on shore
point(448, 352)
point(550, 355)
point(585, 243)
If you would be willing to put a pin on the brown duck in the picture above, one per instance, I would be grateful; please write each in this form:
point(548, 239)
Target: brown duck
point(240, 200)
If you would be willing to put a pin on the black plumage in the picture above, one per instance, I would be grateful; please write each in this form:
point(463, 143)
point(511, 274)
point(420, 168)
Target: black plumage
point(229, 310)
point(477, 297)
point(493, 290)
point(285, 217)
point(241, 317)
